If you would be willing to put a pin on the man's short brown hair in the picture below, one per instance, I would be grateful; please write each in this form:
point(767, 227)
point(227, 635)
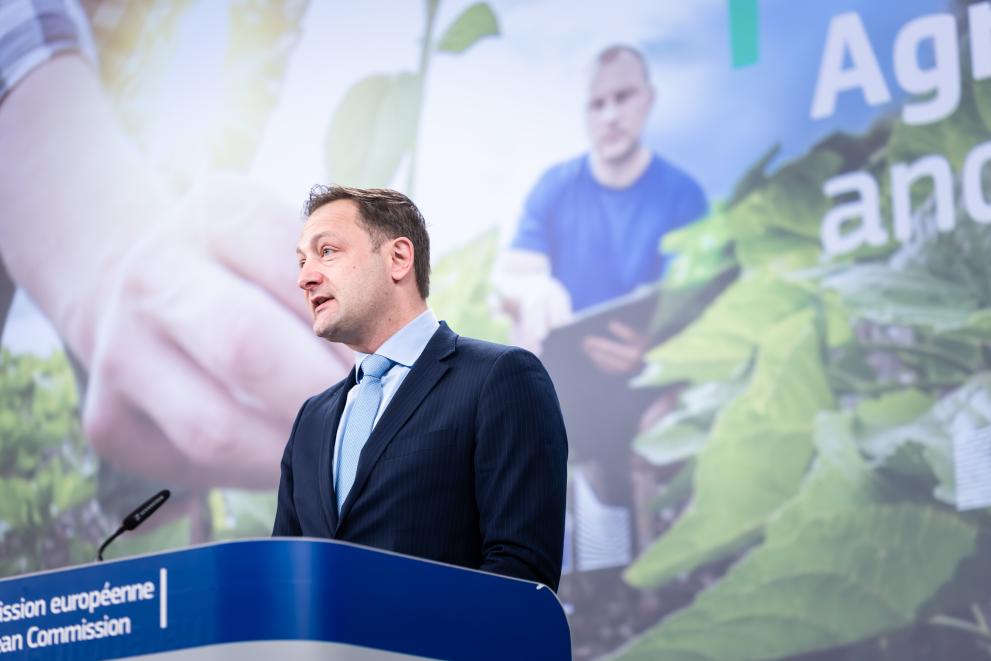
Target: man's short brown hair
point(385, 214)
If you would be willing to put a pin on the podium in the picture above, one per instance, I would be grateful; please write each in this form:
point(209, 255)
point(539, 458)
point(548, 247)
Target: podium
point(278, 599)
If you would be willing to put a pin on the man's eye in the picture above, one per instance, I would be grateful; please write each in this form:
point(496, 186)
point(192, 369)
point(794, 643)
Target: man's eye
point(326, 251)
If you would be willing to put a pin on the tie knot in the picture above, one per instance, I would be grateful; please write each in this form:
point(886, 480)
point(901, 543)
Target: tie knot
point(374, 366)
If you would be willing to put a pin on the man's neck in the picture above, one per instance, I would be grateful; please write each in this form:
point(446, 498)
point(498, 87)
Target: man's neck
point(621, 172)
point(396, 320)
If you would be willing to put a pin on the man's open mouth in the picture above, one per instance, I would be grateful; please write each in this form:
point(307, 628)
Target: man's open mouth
point(317, 301)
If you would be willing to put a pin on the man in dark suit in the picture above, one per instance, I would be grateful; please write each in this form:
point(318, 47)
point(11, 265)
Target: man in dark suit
point(435, 445)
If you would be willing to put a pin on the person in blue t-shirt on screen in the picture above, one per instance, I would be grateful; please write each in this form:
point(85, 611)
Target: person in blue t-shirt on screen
point(591, 228)
point(590, 232)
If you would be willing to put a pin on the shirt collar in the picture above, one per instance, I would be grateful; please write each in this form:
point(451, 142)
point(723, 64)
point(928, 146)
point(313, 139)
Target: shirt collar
point(406, 345)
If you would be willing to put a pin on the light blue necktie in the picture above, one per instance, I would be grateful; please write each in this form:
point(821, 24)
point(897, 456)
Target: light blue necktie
point(360, 420)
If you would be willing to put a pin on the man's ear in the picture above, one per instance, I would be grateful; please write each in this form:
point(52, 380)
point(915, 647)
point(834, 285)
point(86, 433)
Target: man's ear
point(401, 254)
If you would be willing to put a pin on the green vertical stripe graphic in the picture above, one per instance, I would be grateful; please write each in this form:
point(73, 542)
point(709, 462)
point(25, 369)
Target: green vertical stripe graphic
point(743, 32)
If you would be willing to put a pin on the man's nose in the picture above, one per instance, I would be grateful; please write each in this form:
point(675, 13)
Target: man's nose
point(610, 111)
point(309, 277)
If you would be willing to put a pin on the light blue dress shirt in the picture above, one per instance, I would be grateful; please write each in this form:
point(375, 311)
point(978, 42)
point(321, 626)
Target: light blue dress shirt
point(403, 349)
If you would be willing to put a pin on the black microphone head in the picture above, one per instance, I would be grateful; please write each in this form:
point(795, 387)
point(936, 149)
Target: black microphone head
point(146, 509)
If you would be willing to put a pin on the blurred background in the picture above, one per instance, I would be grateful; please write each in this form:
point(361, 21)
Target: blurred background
point(771, 338)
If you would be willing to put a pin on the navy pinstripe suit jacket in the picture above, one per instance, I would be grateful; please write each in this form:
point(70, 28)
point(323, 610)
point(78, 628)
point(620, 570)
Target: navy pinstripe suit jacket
point(467, 465)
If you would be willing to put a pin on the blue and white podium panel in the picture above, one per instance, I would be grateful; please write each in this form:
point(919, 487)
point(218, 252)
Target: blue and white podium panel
point(272, 598)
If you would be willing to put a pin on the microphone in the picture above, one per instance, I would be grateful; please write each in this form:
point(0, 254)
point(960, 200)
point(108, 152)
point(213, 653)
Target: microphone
point(136, 518)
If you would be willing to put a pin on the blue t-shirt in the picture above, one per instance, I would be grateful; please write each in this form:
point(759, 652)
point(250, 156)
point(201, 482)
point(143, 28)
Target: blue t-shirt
point(605, 242)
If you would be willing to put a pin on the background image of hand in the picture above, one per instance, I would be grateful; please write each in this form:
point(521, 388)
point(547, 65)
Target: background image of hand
point(205, 350)
point(621, 353)
point(182, 312)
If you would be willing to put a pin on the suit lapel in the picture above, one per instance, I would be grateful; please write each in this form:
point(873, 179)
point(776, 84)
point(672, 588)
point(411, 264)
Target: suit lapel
point(426, 372)
point(332, 419)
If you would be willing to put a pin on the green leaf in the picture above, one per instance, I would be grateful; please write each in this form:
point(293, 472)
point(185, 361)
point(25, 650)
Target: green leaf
point(791, 200)
point(952, 137)
point(71, 490)
point(474, 24)
point(373, 129)
point(960, 256)
point(834, 580)
point(677, 307)
point(777, 218)
point(779, 251)
point(15, 497)
point(837, 317)
point(46, 468)
point(884, 295)
point(892, 436)
point(946, 358)
point(754, 461)
point(977, 327)
point(924, 442)
point(755, 177)
point(841, 563)
point(981, 91)
point(891, 410)
point(683, 432)
point(701, 251)
point(723, 340)
point(460, 287)
point(670, 443)
point(677, 489)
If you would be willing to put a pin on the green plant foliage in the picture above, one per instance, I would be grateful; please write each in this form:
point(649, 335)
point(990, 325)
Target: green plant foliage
point(837, 320)
point(981, 93)
point(890, 410)
point(920, 447)
point(474, 24)
point(372, 129)
point(885, 295)
point(952, 137)
point(791, 201)
point(723, 340)
point(843, 561)
point(237, 514)
point(776, 217)
point(755, 459)
point(677, 490)
point(755, 177)
point(777, 226)
point(377, 123)
point(900, 336)
point(777, 250)
point(46, 469)
point(703, 250)
point(896, 434)
point(683, 432)
point(460, 289)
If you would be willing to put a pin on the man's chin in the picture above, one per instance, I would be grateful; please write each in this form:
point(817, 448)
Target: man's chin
point(617, 154)
point(328, 331)
point(331, 331)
